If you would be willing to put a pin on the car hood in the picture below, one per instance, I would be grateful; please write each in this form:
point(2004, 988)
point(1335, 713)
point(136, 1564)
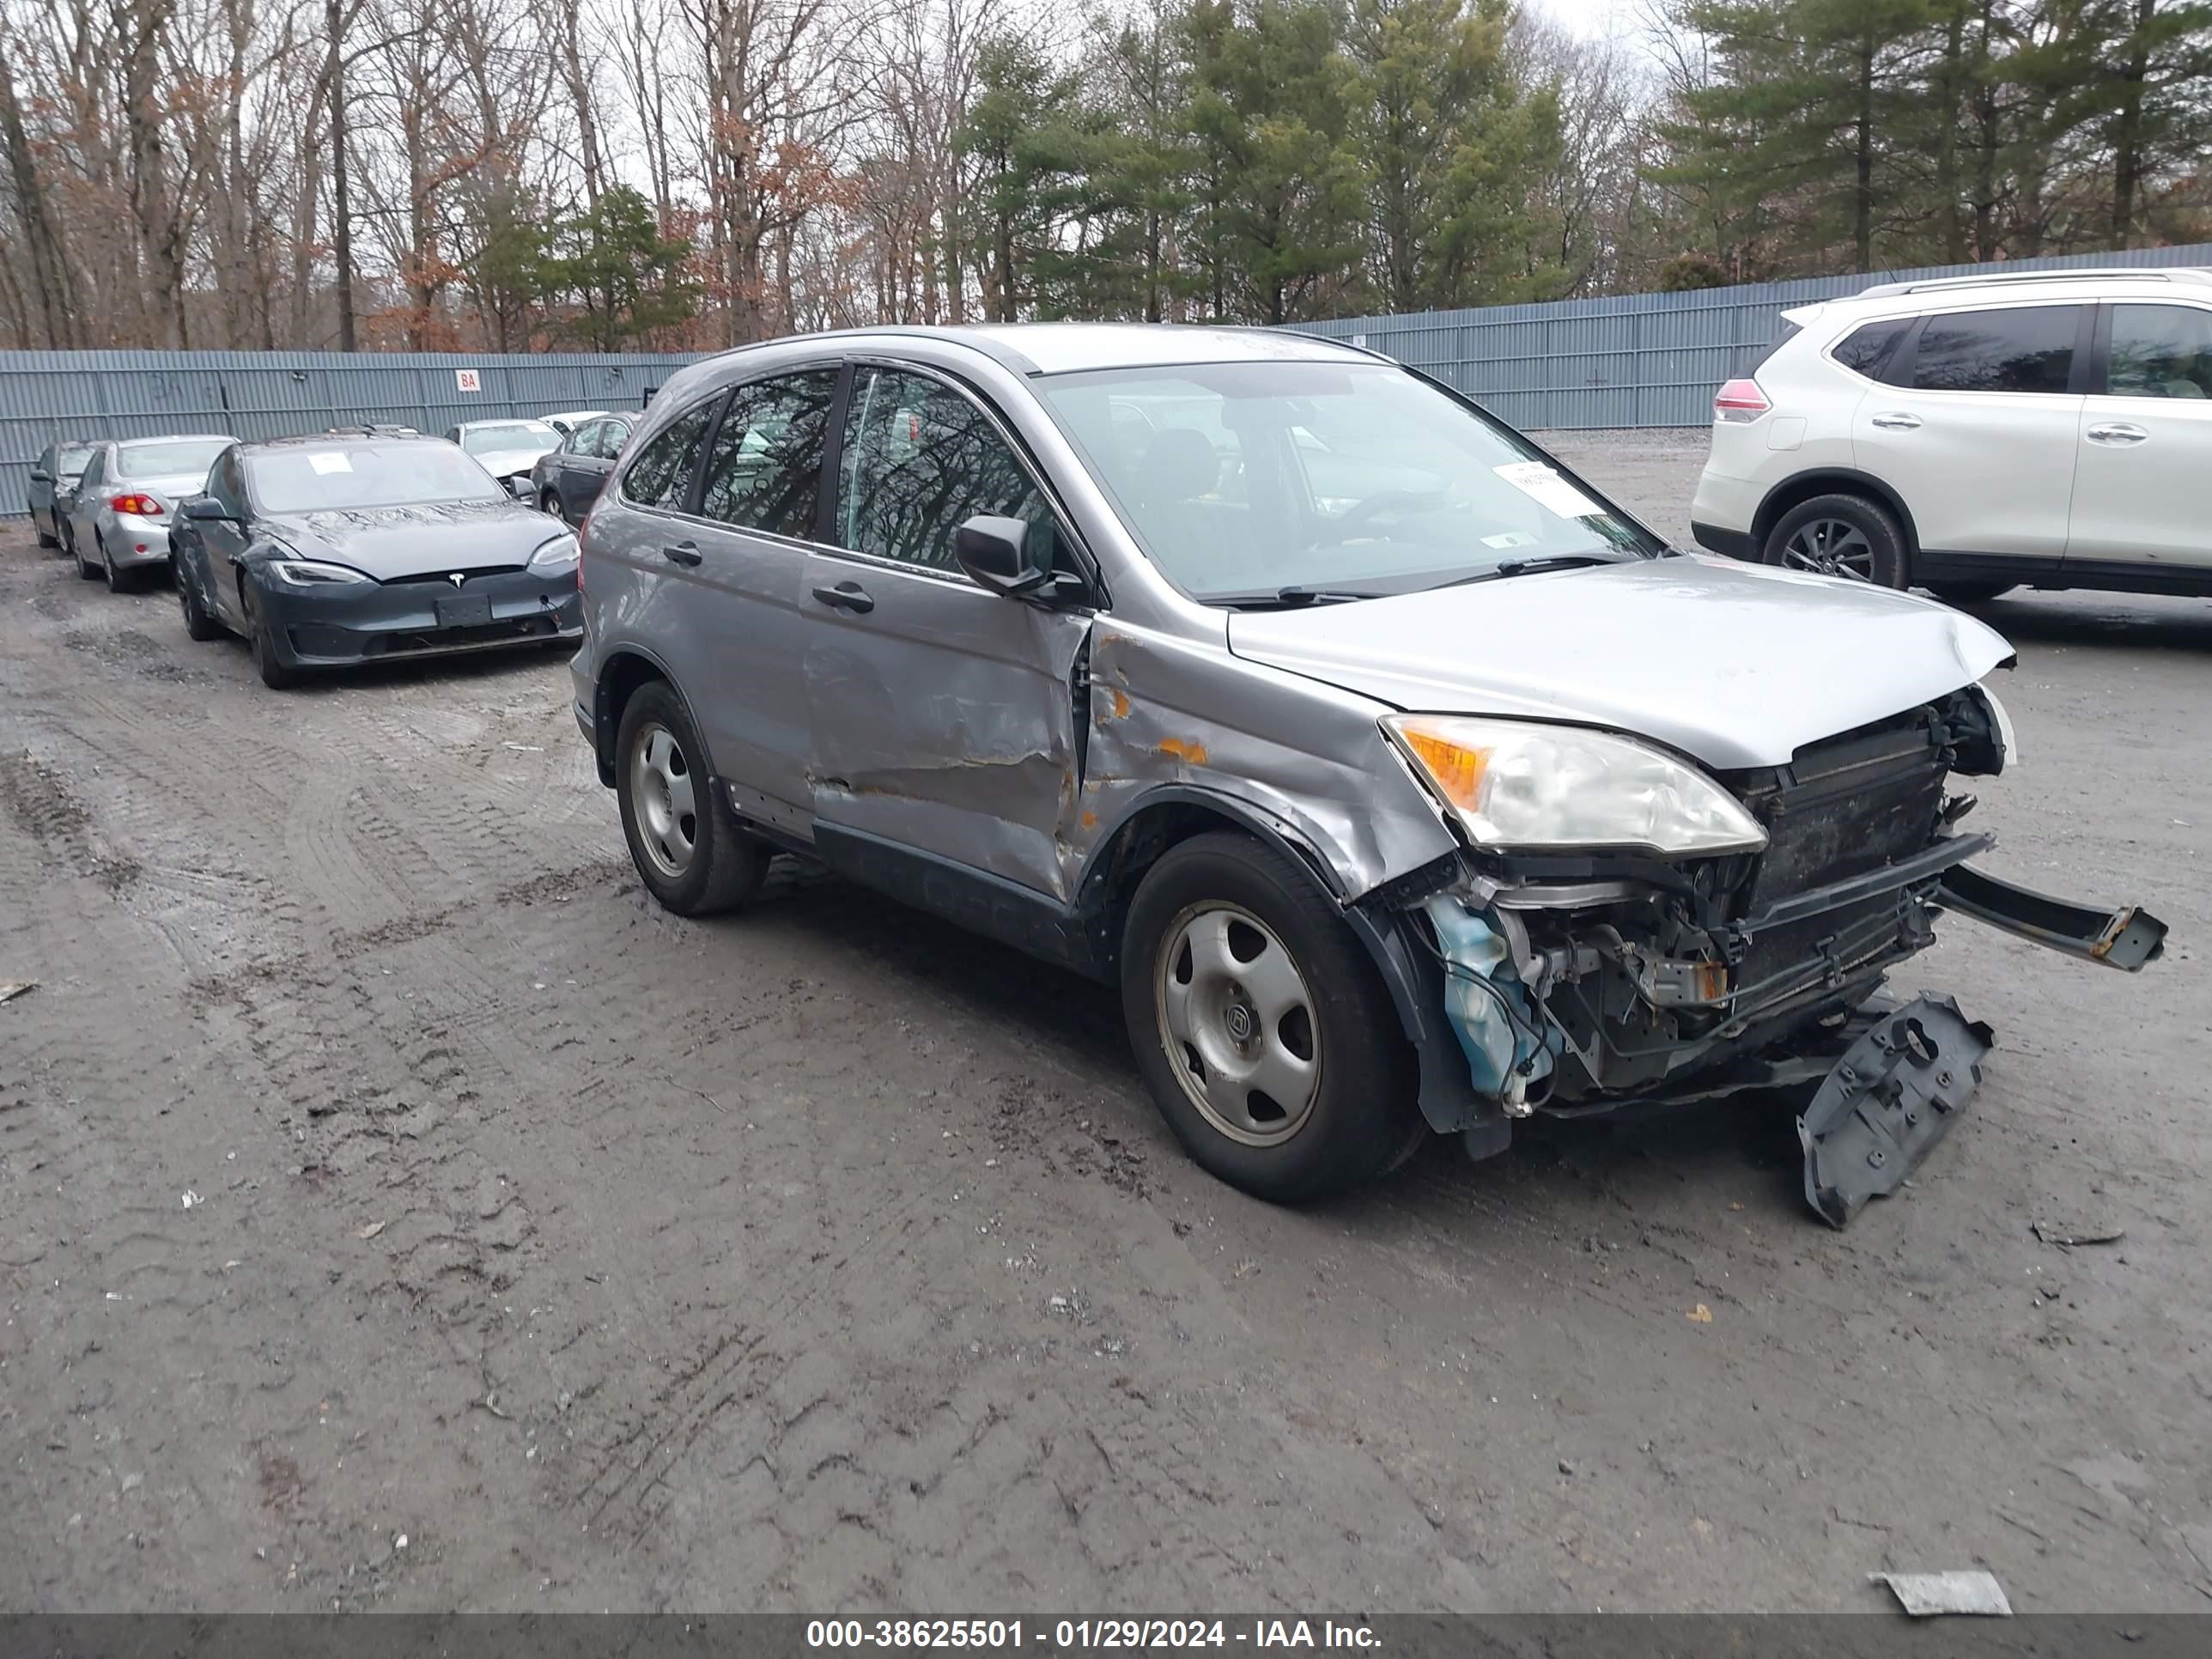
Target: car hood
point(1735, 664)
point(506, 463)
point(425, 538)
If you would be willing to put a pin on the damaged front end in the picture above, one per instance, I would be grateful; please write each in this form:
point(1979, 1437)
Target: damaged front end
point(1582, 983)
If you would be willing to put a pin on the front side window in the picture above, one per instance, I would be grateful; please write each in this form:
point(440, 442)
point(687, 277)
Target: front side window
point(919, 460)
point(2160, 351)
point(397, 472)
point(765, 469)
point(1341, 479)
point(227, 484)
point(2020, 349)
point(661, 474)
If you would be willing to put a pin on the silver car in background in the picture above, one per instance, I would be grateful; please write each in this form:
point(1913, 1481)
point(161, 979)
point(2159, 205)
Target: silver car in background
point(506, 449)
point(1402, 783)
point(117, 523)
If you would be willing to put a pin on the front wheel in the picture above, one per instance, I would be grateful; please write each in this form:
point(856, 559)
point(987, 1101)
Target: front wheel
point(277, 675)
point(199, 624)
point(46, 538)
point(1262, 1029)
point(683, 836)
point(551, 502)
point(1841, 536)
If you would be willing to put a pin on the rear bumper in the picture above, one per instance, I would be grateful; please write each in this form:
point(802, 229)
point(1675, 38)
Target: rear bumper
point(358, 623)
point(133, 542)
point(1733, 543)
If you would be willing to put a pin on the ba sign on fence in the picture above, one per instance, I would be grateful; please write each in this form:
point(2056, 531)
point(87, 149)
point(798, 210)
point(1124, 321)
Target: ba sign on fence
point(468, 380)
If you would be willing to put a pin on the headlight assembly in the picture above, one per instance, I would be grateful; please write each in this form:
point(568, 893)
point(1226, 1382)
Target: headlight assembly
point(307, 573)
point(1516, 786)
point(556, 555)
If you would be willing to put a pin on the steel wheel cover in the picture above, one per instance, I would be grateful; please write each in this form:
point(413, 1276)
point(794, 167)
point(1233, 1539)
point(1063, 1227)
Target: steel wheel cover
point(663, 800)
point(1237, 1021)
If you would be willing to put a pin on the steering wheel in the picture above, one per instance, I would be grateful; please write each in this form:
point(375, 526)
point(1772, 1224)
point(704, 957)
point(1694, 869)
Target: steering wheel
point(1342, 529)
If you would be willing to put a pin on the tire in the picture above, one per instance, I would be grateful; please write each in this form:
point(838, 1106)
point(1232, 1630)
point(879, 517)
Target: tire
point(118, 582)
point(88, 572)
point(276, 676)
point(694, 862)
point(46, 538)
point(1215, 924)
point(1969, 593)
point(198, 623)
point(1841, 536)
point(551, 502)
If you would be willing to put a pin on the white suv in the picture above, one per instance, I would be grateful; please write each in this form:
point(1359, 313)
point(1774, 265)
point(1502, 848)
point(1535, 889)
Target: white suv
point(1970, 435)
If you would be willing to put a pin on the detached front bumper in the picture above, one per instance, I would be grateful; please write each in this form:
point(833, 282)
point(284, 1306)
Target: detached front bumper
point(347, 623)
point(1551, 1001)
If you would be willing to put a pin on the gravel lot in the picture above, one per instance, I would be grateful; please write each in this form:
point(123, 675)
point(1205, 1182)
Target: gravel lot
point(397, 1209)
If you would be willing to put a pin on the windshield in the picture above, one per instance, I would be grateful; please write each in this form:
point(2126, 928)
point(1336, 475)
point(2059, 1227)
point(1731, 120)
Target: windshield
point(510, 435)
point(70, 461)
point(1240, 480)
point(184, 456)
point(366, 475)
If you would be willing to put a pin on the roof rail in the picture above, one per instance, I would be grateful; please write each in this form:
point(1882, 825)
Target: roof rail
point(2105, 273)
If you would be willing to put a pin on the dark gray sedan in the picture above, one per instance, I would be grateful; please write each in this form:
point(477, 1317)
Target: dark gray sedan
point(328, 551)
point(53, 485)
point(566, 481)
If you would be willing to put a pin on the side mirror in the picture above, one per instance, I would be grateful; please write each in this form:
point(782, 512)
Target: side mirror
point(39, 475)
point(205, 508)
point(994, 552)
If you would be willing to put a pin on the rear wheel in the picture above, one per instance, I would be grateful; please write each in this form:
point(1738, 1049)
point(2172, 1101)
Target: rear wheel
point(1969, 593)
point(1844, 536)
point(551, 502)
point(684, 838)
point(1263, 1031)
point(118, 582)
point(89, 572)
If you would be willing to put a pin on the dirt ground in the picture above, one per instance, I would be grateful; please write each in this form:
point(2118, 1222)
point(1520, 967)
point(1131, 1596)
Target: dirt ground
point(397, 1209)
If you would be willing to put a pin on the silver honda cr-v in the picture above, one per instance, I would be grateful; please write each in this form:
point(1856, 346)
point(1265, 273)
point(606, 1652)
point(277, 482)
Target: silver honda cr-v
point(1402, 783)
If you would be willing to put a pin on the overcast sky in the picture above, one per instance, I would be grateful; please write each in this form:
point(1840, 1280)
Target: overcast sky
point(1591, 17)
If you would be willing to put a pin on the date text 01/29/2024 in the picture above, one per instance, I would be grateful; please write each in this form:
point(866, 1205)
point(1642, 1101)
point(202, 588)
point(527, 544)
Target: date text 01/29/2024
point(990, 1635)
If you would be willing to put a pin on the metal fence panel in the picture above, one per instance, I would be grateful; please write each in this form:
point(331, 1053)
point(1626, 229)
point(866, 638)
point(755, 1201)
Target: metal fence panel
point(1637, 360)
point(45, 395)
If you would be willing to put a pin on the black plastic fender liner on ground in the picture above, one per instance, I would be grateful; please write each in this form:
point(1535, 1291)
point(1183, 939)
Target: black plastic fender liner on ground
point(1887, 1102)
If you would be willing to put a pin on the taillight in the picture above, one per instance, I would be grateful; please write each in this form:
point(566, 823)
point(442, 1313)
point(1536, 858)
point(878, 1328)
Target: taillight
point(1739, 400)
point(142, 507)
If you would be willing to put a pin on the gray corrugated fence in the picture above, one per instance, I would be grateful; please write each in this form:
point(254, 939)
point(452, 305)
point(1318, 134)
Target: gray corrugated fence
point(1638, 359)
point(268, 394)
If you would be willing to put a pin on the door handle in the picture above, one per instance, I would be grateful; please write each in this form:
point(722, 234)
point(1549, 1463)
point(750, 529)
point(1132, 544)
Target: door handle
point(846, 596)
point(1897, 422)
point(682, 553)
point(2117, 432)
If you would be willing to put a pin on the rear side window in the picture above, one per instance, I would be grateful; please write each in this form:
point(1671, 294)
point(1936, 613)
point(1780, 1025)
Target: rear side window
point(765, 471)
point(2023, 349)
point(1868, 350)
point(661, 474)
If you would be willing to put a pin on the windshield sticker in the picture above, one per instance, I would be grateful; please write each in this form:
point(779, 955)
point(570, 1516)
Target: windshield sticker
point(1509, 539)
point(332, 462)
point(1548, 490)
